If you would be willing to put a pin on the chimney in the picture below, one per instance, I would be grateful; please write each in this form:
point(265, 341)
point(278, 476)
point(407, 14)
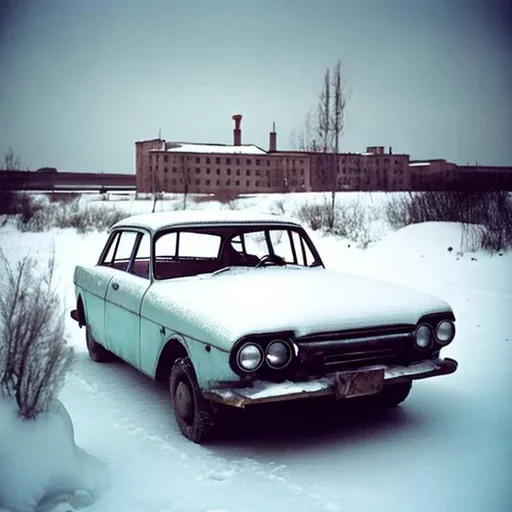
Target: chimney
point(273, 139)
point(237, 132)
point(390, 150)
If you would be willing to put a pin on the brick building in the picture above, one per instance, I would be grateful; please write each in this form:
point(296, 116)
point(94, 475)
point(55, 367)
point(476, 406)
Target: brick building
point(163, 166)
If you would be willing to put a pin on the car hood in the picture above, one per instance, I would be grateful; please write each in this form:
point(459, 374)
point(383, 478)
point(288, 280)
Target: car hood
point(221, 308)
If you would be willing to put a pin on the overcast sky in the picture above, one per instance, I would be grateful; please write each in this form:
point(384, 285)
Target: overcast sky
point(82, 80)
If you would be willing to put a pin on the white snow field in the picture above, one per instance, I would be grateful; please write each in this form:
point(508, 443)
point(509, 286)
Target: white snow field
point(447, 448)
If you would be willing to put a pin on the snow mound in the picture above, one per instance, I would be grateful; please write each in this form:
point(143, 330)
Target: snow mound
point(41, 468)
point(427, 238)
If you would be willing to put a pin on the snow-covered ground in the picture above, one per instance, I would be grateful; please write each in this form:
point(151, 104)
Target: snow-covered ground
point(446, 448)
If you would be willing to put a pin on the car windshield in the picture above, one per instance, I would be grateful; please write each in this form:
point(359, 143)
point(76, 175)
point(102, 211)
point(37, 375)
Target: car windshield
point(193, 251)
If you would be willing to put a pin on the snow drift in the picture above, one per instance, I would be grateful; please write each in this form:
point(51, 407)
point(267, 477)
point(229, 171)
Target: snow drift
point(41, 468)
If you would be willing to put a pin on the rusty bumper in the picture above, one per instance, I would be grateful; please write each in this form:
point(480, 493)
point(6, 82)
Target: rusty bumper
point(264, 392)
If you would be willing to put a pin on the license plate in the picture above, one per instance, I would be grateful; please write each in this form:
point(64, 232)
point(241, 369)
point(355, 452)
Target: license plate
point(359, 382)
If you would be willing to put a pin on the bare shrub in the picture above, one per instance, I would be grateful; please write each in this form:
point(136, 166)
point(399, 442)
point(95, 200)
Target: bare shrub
point(64, 197)
point(487, 216)
point(315, 215)
point(225, 195)
point(352, 220)
point(201, 198)
point(34, 356)
point(279, 206)
point(82, 217)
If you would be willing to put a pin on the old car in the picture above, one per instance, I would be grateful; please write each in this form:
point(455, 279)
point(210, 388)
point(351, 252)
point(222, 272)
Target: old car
point(238, 309)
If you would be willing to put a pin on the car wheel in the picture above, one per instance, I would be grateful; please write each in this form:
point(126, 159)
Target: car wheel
point(393, 394)
point(194, 414)
point(97, 352)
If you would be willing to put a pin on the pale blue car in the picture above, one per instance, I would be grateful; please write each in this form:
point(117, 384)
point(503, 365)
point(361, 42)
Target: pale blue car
point(238, 309)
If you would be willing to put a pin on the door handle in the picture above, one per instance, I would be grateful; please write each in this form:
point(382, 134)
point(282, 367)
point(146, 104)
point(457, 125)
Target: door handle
point(115, 286)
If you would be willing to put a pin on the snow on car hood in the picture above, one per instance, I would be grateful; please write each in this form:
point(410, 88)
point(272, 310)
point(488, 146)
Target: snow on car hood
point(220, 308)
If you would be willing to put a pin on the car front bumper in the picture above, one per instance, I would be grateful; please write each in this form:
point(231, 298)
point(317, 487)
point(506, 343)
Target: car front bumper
point(264, 391)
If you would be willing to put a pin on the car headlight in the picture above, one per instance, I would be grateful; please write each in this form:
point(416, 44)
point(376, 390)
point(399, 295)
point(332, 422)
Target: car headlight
point(278, 354)
point(445, 332)
point(423, 336)
point(250, 357)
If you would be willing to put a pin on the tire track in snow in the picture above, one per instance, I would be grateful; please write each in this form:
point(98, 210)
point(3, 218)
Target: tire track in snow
point(135, 412)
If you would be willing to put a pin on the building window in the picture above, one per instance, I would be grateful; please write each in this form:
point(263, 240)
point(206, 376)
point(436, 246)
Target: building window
point(247, 183)
point(257, 161)
point(268, 163)
point(198, 159)
point(207, 159)
point(257, 183)
point(228, 182)
point(248, 162)
point(208, 182)
point(228, 161)
point(218, 182)
point(238, 161)
point(217, 160)
point(165, 158)
point(300, 161)
point(150, 168)
point(248, 172)
point(198, 181)
point(257, 172)
point(237, 183)
point(218, 172)
point(174, 169)
point(229, 172)
point(198, 170)
point(238, 172)
point(166, 170)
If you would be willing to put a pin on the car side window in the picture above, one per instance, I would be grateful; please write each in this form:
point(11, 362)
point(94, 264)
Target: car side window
point(256, 243)
point(112, 245)
point(124, 250)
point(198, 245)
point(142, 256)
point(282, 245)
point(304, 255)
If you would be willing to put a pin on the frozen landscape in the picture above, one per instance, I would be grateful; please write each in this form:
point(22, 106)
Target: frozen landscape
point(447, 448)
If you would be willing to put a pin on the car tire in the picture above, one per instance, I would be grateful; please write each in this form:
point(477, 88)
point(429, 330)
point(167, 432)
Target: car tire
point(393, 394)
point(194, 414)
point(97, 352)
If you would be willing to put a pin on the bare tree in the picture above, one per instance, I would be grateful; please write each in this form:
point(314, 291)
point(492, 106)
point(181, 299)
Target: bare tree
point(11, 161)
point(339, 101)
point(305, 139)
point(34, 356)
point(323, 137)
point(9, 183)
point(186, 179)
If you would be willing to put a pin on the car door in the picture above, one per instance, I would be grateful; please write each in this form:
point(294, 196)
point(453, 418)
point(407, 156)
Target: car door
point(124, 295)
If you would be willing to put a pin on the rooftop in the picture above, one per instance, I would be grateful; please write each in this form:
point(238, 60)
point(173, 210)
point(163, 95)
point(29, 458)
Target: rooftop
point(156, 221)
point(192, 147)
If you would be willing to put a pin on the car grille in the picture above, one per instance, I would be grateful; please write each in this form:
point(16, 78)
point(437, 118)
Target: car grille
point(330, 352)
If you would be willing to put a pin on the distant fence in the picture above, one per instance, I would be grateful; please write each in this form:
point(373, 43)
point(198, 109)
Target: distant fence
point(66, 181)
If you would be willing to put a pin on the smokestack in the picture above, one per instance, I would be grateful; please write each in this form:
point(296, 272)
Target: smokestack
point(237, 132)
point(272, 146)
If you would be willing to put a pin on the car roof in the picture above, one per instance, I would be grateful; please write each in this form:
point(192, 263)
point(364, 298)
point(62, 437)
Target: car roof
point(156, 221)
